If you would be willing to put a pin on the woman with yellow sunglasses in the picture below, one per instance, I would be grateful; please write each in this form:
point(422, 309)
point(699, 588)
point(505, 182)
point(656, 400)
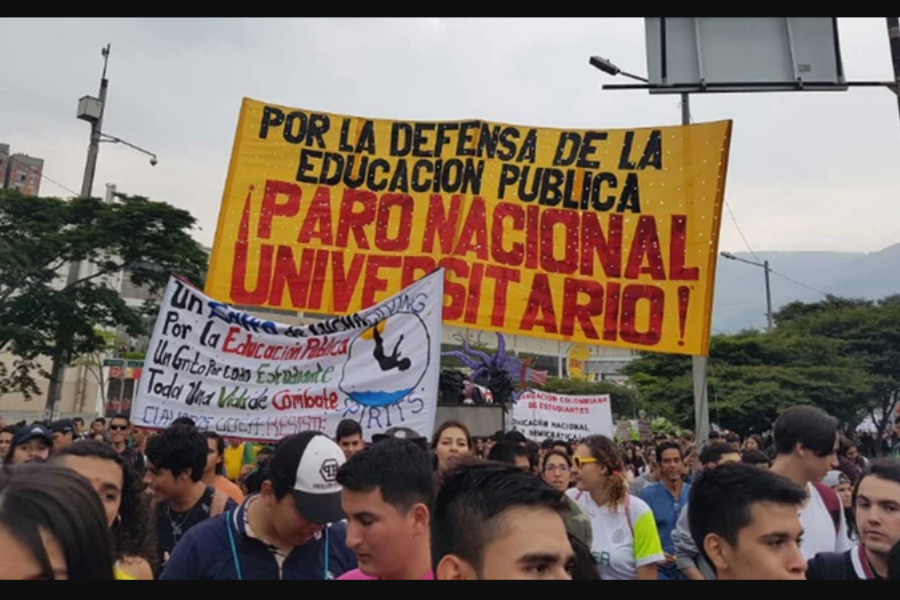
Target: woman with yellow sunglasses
point(626, 542)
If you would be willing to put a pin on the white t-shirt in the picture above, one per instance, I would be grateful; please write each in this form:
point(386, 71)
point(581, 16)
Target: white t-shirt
point(818, 528)
point(621, 548)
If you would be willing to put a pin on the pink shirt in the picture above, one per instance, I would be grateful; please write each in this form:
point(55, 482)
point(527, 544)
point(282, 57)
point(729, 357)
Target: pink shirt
point(357, 575)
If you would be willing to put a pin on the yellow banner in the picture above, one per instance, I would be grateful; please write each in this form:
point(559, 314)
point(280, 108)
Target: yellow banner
point(594, 236)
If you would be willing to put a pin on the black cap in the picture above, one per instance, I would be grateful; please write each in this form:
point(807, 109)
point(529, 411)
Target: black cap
point(32, 432)
point(402, 433)
point(307, 463)
point(62, 426)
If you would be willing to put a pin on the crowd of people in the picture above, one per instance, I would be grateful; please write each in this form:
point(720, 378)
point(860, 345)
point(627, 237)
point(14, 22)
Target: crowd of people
point(117, 503)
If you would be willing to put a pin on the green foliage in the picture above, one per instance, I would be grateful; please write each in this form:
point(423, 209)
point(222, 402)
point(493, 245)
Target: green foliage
point(621, 397)
point(41, 314)
point(842, 355)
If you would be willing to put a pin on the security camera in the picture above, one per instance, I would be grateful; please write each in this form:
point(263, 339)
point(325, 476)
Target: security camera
point(153, 161)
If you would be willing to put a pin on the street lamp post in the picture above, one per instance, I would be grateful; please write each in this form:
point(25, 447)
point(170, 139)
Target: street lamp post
point(699, 364)
point(90, 110)
point(765, 266)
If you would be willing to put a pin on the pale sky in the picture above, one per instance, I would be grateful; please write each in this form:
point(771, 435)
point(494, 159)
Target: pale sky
point(808, 171)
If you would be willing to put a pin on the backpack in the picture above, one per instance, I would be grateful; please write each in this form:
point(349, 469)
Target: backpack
point(832, 503)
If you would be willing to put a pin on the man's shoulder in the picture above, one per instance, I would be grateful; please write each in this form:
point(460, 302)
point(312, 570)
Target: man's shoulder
point(831, 566)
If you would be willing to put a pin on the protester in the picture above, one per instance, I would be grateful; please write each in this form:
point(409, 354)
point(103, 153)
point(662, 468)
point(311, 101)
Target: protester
point(291, 530)
point(745, 522)
point(387, 495)
point(79, 428)
point(6, 437)
point(176, 459)
point(31, 443)
point(491, 521)
point(877, 502)
point(98, 425)
point(212, 473)
point(806, 446)
point(127, 507)
point(52, 526)
point(511, 453)
point(252, 482)
point(557, 470)
point(754, 442)
point(63, 433)
point(666, 499)
point(625, 538)
point(843, 487)
point(687, 556)
point(652, 474)
point(349, 437)
point(238, 456)
point(451, 442)
point(402, 433)
point(757, 458)
point(119, 435)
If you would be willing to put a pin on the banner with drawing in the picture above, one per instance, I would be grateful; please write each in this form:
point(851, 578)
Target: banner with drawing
point(249, 378)
point(543, 415)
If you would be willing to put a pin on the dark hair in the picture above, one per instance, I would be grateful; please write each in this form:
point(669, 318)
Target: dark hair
point(884, 470)
point(517, 437)
point(469, 508)
point(547, 444)
point(451, 425)
point(715, 435)
point(721, 499)
point(78, 420)
point(566, 445)
point(348, 428)
point(584, 565)
point(121, 417)
point(713, 453)
point(894, 563)
point(38, 498)
point(754, 457)
point(506, 452)
point(667, 446)
point(811, 427)
point(401, 469)
point(608, 456)
point(99, 420)
point(557, 453)
point(179, 449)
point(733, 438)
point(135, 533)
point(9, 429)
point(761, 445)
point(185, 421)
point(220, 447)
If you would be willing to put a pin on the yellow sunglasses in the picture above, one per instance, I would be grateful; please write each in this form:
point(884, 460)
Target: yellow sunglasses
point(580, 462)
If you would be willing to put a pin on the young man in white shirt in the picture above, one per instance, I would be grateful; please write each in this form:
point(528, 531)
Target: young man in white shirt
point(807, 443)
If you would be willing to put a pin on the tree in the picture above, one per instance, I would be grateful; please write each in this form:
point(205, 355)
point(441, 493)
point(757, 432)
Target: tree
point(93, 361)
point(754, 376)
point(43, 315)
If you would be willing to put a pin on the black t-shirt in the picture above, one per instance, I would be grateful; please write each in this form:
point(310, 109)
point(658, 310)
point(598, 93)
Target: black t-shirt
point(171, 526)
point(846, 566)
point(136, 459)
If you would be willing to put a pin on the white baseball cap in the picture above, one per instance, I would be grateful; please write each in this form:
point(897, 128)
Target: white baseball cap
point(308, 463)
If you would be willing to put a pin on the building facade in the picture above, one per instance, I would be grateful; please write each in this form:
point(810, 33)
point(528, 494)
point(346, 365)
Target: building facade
point(20, 171)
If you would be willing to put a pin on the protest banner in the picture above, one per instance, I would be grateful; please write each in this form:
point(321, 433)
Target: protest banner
point(590, 236)
point(245, 377)
point(545, 415)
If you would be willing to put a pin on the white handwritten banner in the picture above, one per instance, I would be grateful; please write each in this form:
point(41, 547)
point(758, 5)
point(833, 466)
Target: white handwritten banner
point(542, 415)
point(248, 378)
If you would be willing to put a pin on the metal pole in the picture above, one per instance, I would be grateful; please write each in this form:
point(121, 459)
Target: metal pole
point(893, 26)
point(768, 296)
point(699, 364)
point(58, 370)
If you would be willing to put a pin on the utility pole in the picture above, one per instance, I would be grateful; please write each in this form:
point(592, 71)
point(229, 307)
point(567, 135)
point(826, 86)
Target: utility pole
point(699, 364)
point(60, 363)
point(893, 26)
point(768, 295)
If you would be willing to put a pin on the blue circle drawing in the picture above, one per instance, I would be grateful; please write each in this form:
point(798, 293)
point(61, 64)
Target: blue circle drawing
point(387, 362)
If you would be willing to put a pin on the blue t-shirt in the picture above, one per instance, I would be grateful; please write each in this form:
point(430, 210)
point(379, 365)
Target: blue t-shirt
point(666, 510)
